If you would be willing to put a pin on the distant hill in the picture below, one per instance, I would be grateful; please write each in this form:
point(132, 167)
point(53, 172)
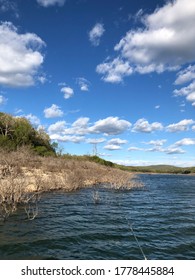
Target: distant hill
point(159, 169)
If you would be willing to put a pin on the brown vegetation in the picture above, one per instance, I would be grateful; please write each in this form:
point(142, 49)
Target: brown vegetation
point(24, 175)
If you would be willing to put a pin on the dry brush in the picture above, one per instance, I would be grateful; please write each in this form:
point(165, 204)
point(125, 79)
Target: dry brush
point(24, 176)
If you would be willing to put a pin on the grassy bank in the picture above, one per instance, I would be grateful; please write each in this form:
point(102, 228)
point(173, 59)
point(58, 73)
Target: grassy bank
point(24, 176)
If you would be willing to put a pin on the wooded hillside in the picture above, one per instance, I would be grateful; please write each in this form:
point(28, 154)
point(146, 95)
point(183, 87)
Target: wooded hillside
point(18, 131)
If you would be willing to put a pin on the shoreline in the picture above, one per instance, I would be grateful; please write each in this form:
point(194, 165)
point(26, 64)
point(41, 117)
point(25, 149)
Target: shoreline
point(159, 173)
point(23, 177)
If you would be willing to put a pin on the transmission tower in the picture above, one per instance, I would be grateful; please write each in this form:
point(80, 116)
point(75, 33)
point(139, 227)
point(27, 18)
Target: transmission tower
point(95, 149)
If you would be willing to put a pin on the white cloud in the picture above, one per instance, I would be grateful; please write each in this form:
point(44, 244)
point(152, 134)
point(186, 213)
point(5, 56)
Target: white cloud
point(81, 122)
point(155, 149)
point(79, 127)
point(20, 56)
point(114, 71)
point(67, 138)
point(158, 143)
point(110, 126)
point(115, 144)
point(157, 106)
point(3, 100)
point(185, 75)
point(180, 126)
point(53, 112)
point(57, 127)
point(185, 90)
point(185, 142)
point(164, 43)
point(95, 140)
point(47, 3)
point(33, 119)
point(112, 147)
point(96, 33)
point(68, 92)
point(142, 125)
point(83, 84)
point(191, 97)
point(134, 149)
point(173, 150)
point(117, 141)
point(193, 128)
point(188, 92)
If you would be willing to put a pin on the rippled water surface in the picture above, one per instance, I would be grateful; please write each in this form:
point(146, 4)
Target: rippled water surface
point(72, 226)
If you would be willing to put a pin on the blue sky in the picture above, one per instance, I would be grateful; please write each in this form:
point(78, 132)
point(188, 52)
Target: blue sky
point(114, 76)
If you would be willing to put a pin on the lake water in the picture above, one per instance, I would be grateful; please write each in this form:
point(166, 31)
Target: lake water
point(72, 226)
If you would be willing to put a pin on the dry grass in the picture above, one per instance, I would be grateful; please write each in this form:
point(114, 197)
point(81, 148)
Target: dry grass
point(23, 175)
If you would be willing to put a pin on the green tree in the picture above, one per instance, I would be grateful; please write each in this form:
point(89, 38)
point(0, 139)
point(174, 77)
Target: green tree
point(17, 132)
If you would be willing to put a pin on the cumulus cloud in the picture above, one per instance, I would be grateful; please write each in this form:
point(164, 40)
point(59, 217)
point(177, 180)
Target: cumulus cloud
point(115, 144)
point(33, 119)
point(110, 126)
point(117, 141)
point(185, 75)
point(185, 142)
point(67, 138)
point(142, 125)
point(167, 39)
point(47, 3)
point(79, 127)
point(188, 92)
point(96, 33)
point(191, 98)
point(57, 127)
point(65, 132)
point(160, 142)
point(155, 149)
point(53, 112)
point(165, 42)
point(173, 150)
point(95, 140)
point(134, 149)
point(83, 84)
point(185, 91)
point(20, 56)
point(180, 126)
point(112, 147)
point(81, 122)
point(114, 71)
point(68, 92)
